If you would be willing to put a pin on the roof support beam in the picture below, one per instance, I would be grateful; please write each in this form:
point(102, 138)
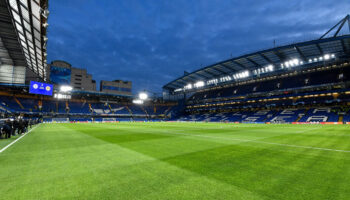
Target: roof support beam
point(222, 72)
point(227, 67)
point(279, 55)
point(252, 61)
point(211, 73)
point(266, 58)
point(346, 18)
point(319, 48)
point(239, 64)
point(300, 53)
point(201, 75)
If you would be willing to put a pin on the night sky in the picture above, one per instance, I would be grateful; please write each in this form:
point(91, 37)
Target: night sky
point(152, 42)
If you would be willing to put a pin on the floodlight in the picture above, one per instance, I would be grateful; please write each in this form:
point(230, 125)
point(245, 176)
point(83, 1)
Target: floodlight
point(66, 88)
point(189, 86)
point(137, 101)
point(45, 25)
point(327, 56)
point(333, 56)
point(143, 96)
point(296, 61)
point(310, 60)
point(291, 63)
point(199, 84)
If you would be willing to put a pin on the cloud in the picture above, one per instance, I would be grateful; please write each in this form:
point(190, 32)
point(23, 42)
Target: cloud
point(153, 42)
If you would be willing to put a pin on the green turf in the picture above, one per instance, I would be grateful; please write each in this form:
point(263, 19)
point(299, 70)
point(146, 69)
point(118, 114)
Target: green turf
point(178, 161)
point(5, 142)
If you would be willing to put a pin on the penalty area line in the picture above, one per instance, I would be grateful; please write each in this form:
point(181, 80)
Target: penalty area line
point(13, 142)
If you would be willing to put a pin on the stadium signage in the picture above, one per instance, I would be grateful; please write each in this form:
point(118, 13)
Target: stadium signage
point(40, 88)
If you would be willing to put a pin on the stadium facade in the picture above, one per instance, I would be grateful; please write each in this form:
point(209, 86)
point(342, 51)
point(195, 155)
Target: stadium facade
point(63, 73)
point(117, 87)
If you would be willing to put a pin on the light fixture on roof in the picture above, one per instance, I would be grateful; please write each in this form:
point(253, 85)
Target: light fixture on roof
point(327, 57)
point(199, 84)
point(143, 96)
point(45, 25)
point(66, 88)
point(45, 13)
point(188, 86)
point(270, 67)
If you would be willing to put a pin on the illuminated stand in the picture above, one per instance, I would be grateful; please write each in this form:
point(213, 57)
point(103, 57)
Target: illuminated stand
point(143, 96)
point(65, 92)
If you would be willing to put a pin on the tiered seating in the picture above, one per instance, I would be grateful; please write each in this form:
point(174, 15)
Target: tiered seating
point(287, 115)
point(320, 115)
point(118, 109)
point(137, 110)
point(10, 104)
point(78, 107)
point(259, 116)
point(49, 106)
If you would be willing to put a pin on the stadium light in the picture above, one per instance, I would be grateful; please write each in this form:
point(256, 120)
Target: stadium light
point(327, 57)
point(143, 96)
point(66, 88)
point(189, 86)
point(270, 67)
point(199, 84)
point(137, 101)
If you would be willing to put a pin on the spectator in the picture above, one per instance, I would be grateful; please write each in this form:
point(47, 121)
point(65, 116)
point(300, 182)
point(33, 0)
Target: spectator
point(7, 129)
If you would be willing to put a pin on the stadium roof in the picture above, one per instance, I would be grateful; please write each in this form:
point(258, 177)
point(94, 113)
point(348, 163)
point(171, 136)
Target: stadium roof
point(23, 38)
point(304, 51)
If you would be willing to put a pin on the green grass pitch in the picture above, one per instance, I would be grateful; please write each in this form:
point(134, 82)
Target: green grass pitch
point(178, 161)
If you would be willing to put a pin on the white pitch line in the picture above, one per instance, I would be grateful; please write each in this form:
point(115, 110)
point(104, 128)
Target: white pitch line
point(262, 142)
point(13, 142)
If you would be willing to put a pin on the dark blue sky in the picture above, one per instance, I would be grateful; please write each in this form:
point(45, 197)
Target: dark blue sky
point(152, 42)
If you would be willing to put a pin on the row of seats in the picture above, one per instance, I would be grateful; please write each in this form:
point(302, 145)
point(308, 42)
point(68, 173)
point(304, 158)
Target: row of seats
point(16, 104)
point(322, 114)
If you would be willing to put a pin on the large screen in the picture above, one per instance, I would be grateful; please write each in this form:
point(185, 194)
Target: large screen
point(60, 75)
point(40, 88)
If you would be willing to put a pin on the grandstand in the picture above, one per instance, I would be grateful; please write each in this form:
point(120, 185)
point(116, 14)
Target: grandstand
point(311, 78)
point(78, 110)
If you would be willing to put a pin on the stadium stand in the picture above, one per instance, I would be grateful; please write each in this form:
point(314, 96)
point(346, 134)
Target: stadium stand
point(306, 82)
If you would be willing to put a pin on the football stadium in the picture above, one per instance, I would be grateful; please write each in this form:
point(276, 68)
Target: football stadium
point(270, 124)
